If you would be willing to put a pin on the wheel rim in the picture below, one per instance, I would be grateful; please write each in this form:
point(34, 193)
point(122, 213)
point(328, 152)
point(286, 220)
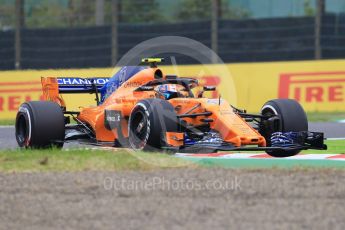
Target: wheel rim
point(269, 110)
point(138, 130)
point(21, 130)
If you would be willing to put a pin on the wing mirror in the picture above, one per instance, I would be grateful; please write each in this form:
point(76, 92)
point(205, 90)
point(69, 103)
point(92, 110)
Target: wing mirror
point(209, 88)
point(206, 88)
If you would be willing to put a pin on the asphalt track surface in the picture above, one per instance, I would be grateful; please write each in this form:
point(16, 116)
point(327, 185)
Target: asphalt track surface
point(331, 130)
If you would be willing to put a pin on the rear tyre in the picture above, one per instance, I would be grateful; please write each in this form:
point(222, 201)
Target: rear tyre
point(292, 118)
point(150, 119)
point(40, 124)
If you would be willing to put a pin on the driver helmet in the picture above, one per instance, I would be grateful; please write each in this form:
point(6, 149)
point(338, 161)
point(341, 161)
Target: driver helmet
point(168, 90)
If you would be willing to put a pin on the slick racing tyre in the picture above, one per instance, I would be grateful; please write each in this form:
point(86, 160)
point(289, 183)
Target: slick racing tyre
point(292, 118)
point(150, 119)
point(40, 124)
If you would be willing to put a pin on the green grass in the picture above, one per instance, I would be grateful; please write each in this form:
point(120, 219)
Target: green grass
point(325, 116)
point(333, 146)
point(22, 160)
point(7, 122)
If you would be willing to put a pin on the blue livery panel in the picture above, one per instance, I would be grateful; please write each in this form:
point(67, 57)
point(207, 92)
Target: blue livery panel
point(105, 86)
point(118, 79)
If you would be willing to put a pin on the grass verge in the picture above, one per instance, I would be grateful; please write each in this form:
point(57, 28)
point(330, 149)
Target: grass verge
point(325, 116)
point(84, 160)
point(22, 160)
point(333, 146)
point(7, 122)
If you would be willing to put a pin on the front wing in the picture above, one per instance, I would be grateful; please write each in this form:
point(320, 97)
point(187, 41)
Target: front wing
point(313, 140)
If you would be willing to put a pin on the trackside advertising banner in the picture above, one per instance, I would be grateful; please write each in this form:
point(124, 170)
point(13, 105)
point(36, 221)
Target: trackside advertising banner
point(17, 87)
point(317, 85)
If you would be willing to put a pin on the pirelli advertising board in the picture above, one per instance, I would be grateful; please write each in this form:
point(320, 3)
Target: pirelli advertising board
point(317, 85)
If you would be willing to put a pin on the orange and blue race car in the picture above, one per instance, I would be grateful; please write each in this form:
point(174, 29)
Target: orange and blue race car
point(144, 109)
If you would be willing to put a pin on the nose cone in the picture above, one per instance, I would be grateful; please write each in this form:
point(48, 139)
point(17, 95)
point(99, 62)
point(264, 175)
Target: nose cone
point(231, 126)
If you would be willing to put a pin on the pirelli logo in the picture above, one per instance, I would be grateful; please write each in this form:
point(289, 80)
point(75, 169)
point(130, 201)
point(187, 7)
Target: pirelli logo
point(13, 93)
point(313, 87)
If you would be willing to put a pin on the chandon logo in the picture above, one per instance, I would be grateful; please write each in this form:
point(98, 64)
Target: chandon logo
point(81, 81)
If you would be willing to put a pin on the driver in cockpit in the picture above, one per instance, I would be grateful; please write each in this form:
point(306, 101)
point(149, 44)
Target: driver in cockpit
point(169, 91)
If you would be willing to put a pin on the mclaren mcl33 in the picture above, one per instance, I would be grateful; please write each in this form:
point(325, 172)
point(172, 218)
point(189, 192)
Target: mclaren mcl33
point(144, 109)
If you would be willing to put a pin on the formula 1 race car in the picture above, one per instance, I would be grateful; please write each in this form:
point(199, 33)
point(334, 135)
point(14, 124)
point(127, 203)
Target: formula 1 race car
point(145, 109)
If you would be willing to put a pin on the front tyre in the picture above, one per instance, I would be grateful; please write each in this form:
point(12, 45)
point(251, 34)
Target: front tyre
point(150, 119)
point(40, 124)
point(292, 118)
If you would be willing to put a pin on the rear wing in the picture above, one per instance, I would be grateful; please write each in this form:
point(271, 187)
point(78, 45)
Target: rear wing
point(52, 87)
